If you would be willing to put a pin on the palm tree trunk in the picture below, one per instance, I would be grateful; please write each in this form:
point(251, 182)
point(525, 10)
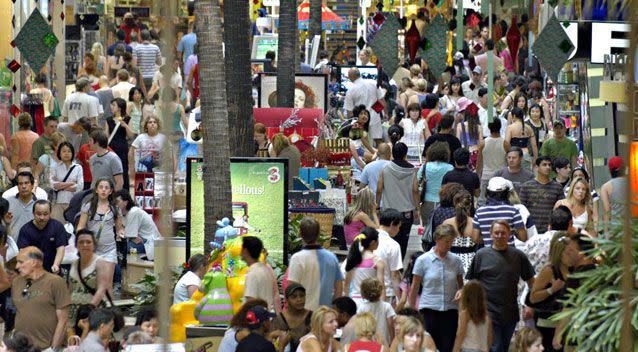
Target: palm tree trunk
point(217, 191)
point(237, 30)
point(288, 50)
point(315, 19)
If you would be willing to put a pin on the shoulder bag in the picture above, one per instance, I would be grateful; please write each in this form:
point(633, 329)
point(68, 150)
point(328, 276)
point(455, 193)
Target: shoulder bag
point(119, 316)
point(66, 177)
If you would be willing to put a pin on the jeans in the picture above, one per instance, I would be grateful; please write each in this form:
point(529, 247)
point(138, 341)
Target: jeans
point(502, 334)
point(117, 275)
point(442, 327)
point(402, 238)
point(140, 247)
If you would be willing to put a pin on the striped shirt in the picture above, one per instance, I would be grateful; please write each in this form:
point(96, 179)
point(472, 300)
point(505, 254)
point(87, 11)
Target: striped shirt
point(495, 210)
point(540, 200)
point(147, 55)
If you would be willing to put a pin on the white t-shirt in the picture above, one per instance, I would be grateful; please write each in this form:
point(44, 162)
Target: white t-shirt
point(259, 284)
point(80, 104)
point(147, 146)
point(390, 252)
point(137, 222)
point(121, 90)
point(381, 311)
point(180, 294)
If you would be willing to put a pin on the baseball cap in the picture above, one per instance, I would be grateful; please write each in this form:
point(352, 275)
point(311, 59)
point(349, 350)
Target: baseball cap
point(462, 104)
point(477, 69)
point(292, 287)
point(615, 163)
point(497, 184)
point(128, 15)
point(257, 315)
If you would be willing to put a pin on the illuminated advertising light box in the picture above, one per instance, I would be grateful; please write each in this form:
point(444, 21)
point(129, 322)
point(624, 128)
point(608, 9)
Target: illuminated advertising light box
point(260, 202)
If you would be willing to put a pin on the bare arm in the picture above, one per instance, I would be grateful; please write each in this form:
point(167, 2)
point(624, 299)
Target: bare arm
point(380, 271)
point(346, 291)
point(363, 217)
point(59, 255)
point(82, 222)
point(521, 234)
point(4, 280)
point(395, 277)
point(15, 150)
point(605, 197)
point(538, 291)
point(131, 162)
point(338, 288)
point(103, 282)
point(507, 139)
point(119, 182)
point(414, 290)
point(11, 173)
point(380, 187)
point(60, 327)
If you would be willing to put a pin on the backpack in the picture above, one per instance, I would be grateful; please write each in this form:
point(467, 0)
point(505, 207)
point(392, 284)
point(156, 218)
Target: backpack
point(72, 212)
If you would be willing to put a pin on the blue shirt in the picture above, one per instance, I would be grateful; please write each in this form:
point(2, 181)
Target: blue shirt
point(439, 280)
point(435, 170)
point(495, 210)
point(317, 270)
point(110, 51)
point(52, 236)
point(370, 173)
point(187, 45)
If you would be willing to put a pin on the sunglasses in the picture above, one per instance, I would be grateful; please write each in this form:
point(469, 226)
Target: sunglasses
point(25, 290)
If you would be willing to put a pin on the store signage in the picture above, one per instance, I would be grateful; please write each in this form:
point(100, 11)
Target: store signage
point(120, 11)
point(610, 38)
point(270, 3)
point(260, 202)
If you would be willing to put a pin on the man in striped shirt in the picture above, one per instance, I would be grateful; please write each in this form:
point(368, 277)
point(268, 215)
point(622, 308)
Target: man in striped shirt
point(149, 58)
point(497, 207)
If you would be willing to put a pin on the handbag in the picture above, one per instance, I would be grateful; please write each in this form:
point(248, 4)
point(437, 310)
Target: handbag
point(73, 344)
point(117, 312)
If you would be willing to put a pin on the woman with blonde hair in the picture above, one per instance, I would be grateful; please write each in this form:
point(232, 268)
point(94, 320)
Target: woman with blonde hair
point(365, 329)
point(527, 340)
point(579, 202)
point(407, 92)
point(549, 287)
point(411, 337)
point(323, 325)
point(420, 86)
point(283, 148)
point(362, 213)
point(98, 54)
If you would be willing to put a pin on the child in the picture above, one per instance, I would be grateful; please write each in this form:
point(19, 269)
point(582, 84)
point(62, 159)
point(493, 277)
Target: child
point(371, 290)
point(475, 327)
point(365, 330)
point(527, 340)
point(362, 263)
point(406, 282)
point(146, 319)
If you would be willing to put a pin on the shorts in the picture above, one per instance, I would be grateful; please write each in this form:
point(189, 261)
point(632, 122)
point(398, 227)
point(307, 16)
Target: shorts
point(110, 256)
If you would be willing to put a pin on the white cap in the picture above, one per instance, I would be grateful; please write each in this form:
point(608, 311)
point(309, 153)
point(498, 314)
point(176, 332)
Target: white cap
point(497, 184)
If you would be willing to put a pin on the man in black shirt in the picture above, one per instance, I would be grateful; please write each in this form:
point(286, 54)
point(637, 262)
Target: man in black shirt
point(444, 135)
point(461, 174)
point(258, 319)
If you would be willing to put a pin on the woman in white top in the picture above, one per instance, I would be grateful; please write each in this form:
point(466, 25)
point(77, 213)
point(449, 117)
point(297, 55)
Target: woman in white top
point(414, 131)
point(151, 144)
point(323, 326)
point(46, 162)
point(67, 179)
point(579, 203)
point(139, 226)
point(446, 103)
point(190, 279)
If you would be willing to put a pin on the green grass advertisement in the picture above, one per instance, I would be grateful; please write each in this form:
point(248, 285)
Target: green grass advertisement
point(259, 195)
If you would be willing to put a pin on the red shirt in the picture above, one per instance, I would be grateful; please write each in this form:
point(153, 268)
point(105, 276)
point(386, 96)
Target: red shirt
point(434, 120)
point(196, 81)
point(128, 31)
point(370, 346)
point(83, 156)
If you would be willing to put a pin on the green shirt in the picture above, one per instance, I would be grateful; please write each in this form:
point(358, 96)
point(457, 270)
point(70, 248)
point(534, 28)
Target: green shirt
point(41, 146)
point(565, 148)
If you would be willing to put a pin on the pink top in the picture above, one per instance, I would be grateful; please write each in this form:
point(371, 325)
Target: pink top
point(507, 60)
point(352, 230)
point(366, 269)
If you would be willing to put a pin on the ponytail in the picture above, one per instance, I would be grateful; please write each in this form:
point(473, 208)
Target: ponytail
point(462, 202)
point(364, 239)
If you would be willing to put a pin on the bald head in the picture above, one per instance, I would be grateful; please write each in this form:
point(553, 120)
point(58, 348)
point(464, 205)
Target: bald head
point(353, 74)
point(384, 151)
point(32, 252)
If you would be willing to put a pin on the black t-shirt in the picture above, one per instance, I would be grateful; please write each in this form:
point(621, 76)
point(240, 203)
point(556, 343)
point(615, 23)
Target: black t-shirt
point(499, 272)
point(467, 178)
point(255, 343)
point(450, 139)
point(47, 240)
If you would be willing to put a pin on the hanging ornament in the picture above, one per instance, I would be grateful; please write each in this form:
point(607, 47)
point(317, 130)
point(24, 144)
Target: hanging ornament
point(380, 6)
point(13, 66)
point(14, 109)
point(412, 40)
point(378, 19)
point(361, 43)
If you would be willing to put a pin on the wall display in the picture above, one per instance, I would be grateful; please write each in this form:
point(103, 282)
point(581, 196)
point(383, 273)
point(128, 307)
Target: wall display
point(260, 202)
point(367, 72)
point(311, 91)
point(71, 60)
point(259, 66)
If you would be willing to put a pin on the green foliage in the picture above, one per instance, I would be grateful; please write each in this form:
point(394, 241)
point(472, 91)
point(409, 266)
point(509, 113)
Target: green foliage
point(595, 310)
point(148, 289)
